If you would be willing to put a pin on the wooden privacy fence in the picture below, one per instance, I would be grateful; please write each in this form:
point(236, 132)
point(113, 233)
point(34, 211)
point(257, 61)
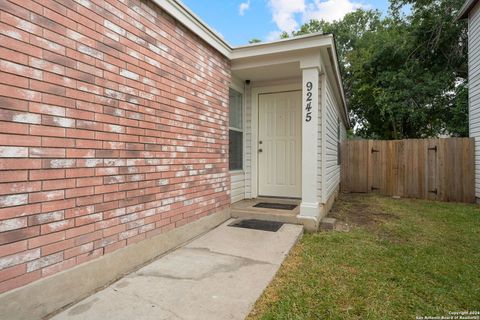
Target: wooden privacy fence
point(434, 169)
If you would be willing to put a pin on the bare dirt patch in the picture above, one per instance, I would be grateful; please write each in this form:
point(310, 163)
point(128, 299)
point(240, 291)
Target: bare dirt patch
point(360, 210)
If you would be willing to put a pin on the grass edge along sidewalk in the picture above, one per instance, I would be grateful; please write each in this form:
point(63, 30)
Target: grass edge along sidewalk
point(401, 259)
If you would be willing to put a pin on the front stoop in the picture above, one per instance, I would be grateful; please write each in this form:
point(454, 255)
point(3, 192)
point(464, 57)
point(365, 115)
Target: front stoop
point(245, 210)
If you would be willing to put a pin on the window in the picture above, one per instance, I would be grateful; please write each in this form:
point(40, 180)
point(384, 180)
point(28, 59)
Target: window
point(339, 148)
point(235, 133)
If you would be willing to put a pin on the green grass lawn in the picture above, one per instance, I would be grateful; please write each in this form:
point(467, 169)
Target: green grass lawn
point(400, 259)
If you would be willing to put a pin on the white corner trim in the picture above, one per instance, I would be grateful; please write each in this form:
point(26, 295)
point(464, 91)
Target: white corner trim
point(237, 85)
point(310, 110)
point(309, 210)
point(311, 61)
point(190, 20)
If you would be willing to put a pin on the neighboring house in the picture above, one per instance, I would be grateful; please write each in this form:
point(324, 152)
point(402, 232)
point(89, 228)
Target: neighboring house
point(471, 10)
point(129, 127)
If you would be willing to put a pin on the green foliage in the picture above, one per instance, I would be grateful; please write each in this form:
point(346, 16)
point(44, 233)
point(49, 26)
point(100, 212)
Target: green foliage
point(284, 35)
point(405, 73)
point(254, 40)
point(456, 116)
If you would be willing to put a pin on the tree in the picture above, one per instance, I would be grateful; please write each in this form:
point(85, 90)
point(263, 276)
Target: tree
point(254, 40)
point(404, 74)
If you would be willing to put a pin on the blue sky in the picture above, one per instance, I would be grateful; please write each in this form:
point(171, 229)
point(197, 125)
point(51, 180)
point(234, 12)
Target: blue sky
point(238, 21)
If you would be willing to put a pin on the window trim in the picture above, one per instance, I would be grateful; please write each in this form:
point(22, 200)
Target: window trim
point(235, 129)
point(241, 91)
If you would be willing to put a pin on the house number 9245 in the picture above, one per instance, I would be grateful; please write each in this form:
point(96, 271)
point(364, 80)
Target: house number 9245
point(308, 108)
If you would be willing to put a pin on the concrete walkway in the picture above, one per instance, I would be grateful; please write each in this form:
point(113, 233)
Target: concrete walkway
point(219, 275)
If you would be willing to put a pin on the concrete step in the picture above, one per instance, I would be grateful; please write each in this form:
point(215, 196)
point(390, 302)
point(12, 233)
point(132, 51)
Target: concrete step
point(265, 215)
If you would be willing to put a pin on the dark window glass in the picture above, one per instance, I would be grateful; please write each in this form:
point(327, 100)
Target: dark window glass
point(236, 130)
point(235, 112)
point(235, 150)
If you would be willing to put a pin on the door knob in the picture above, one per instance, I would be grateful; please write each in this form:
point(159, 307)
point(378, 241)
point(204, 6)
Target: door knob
point(260, 150)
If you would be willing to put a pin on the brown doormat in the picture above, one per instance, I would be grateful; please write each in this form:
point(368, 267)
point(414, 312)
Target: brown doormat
point(256, 224)
point(278, 206)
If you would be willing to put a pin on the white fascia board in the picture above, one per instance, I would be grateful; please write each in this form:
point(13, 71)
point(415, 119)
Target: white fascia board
point(465, 9)
point(338, 75)
point(262, 61)
point(285, 45)
point(190, 20)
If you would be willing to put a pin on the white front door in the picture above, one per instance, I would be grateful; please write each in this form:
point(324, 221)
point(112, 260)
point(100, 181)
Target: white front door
point(279, 148)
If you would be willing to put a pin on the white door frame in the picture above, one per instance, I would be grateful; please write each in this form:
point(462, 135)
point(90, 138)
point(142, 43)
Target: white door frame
point(256, 92)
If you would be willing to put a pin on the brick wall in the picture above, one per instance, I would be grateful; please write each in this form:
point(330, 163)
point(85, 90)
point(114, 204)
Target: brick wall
point(113, 129)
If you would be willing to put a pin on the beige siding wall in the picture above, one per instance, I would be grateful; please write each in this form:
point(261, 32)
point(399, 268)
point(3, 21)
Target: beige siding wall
point(343, 134)
point(238, 186)
point(319, 142)
point(474, 87)
point(332, 118)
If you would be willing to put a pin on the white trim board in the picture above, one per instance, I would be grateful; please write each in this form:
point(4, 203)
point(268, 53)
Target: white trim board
point(310, 41)
point(238, 85)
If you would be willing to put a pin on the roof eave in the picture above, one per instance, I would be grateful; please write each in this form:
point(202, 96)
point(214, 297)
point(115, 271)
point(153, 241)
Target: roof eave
point(339, 79)
point(190, 20)
point(314, 40)
point(465, 9)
